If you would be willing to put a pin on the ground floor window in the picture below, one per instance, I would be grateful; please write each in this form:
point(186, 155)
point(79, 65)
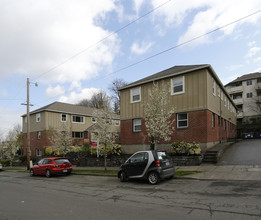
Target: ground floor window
point(182, 120)
point(38, 152)
point(136, 125)
point(76, 134)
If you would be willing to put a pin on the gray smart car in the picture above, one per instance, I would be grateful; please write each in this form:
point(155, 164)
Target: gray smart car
point(152, 165)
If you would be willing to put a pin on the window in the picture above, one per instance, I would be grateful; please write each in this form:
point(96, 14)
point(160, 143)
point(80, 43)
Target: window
point(249, 95)
point(77, 119)
point(182, 120)
point(214, 87)
point(258, 80)
point(218, 91)
point(222, 95)
point(177, 85)
point(94, 120)
point(64, 119)
point(117, 122)
point(218, 121)
point(76, 134)
point(135, 95)
point(225, 101)
point(117, 135)
point(38, 117)
point(38, 153)
point(136, 125)
point(213, 120)
point(139, 157)
point(249, 82)
point(38, 135)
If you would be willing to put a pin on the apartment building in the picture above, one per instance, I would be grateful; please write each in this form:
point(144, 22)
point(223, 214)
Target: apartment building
point(60, 117)
point(246, 94)
point(204, 111)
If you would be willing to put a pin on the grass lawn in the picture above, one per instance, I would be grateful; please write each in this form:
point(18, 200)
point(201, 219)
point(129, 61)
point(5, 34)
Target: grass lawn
point(178, 173)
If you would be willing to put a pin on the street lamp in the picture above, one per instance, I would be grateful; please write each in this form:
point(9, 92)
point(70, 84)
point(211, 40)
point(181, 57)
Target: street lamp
point(28, 122)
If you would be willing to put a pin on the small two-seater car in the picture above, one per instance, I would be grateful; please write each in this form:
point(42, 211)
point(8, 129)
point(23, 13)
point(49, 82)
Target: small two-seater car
point(152, 165)
point(51, 166)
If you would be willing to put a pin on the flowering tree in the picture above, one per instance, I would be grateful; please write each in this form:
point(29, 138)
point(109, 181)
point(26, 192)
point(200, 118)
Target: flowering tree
point(102, 129)
point(157, 114)
point(61, 139)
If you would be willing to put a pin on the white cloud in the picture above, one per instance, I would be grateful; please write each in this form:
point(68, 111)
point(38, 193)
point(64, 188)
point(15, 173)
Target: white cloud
point(137, 5)
point(257, 60)
point(253, 51)
point(74, 97)
point(141, 48)
point(209, 15)
point(234, 67)
point(9, 118)
point(37, 35)
point(251, 44)
point(225, 80)
point(52, 92)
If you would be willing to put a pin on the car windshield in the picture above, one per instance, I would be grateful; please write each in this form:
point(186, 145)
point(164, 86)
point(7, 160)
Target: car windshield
point(61, 161)
point(162, 155)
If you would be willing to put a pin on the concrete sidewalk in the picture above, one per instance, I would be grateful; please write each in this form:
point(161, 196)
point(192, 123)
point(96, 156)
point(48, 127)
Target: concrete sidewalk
point(231, 172)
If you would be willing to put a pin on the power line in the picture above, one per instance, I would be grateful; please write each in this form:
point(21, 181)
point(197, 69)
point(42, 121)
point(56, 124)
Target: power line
point(181, 44)
point(98, 42)
point(174, 47)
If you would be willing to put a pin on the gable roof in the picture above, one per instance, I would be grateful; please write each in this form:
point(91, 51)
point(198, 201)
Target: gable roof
point(246, 77)
point(61, 107)
point(175, 70)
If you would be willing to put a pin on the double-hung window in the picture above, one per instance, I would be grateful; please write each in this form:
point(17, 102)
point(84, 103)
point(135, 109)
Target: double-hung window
point(214, 87)
point(136, 125)
point(136, 94)
point(249, 95)
point(177, 85)
point(64, 118)
point(182, 120)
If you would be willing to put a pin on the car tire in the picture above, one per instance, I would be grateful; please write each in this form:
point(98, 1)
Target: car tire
point(48, 173)
point(68, 173)
point(123, 177)
point(31, 172)
point(153, 178)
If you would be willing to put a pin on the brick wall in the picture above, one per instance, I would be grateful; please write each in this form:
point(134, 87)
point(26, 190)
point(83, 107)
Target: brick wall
point(200, 129)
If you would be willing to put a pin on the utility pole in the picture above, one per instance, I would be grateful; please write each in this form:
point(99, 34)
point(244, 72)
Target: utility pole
point(28, 123)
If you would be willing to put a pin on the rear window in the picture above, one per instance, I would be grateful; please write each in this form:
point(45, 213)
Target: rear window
point(61, 161)
point(162, 155)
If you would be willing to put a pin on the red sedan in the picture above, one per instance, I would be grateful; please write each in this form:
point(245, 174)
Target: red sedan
point(51, 166)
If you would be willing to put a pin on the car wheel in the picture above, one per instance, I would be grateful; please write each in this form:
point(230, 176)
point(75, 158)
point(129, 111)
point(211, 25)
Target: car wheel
point(68, 173)
point(31, 172)
point(123, 177)
point(48, 173)
point(153, 178)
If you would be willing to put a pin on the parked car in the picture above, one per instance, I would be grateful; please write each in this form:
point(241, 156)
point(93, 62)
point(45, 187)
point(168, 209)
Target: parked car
point(52, 166)
point(152, 165)
point(1, 166)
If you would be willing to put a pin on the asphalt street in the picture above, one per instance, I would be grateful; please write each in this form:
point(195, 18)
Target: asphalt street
point(101, 197)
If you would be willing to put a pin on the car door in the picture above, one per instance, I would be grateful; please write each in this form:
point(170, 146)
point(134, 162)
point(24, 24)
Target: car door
point(137, 164)
point(38, 167)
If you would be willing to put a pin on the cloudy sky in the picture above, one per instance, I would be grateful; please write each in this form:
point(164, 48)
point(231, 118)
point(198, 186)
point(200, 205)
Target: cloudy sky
point(73, 49)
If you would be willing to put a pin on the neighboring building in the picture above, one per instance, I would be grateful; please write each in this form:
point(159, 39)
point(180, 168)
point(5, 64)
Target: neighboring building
point(246, 94)
point(59, 117)
point(204, 112)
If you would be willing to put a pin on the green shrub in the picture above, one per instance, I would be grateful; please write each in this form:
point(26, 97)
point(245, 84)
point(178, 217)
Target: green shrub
point(111, 149)
point(5, 163)
point(184, 148)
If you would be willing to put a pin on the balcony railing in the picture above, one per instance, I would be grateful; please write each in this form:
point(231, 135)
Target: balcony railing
point(235, 89)
point(240, 115)
point(238, 101)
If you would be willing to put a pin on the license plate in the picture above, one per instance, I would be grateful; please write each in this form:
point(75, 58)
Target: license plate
point(64, 171)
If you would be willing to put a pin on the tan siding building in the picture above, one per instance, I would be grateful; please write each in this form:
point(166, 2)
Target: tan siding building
point(61, 117)
point(197, 96)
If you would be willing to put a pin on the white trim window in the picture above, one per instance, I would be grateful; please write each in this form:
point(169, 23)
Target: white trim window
point(135, 94)
point(77, 119)
point(38, 152)
point(182, 120)
point(63, 117)
point(177, 85)
point(38, 117)
point(136, 125)
point(117, 122)
point(77, 134)
point(94, 120)
point(214, 87)
point(218, 91)
point(38, 135)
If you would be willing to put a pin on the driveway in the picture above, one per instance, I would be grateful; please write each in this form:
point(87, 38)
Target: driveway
point(245, 152)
